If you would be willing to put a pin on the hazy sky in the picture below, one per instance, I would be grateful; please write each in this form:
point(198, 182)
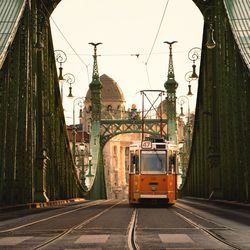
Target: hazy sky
point(126, 27)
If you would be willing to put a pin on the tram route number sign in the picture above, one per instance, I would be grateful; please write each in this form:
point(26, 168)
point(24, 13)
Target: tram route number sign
point(146, 144)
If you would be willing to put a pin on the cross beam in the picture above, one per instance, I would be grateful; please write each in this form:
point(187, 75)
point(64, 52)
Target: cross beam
point(111, 128)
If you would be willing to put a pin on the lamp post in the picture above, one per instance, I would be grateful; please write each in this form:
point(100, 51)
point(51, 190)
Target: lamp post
point(61, 58)
point(184, 151)
point(193, 55)
point(84, 151)
point(189, 79)
point(210, 40)
point(182, 160)
point(210, 18)
point(181, 101)
point(90, 165)
point(79, 101)
point(70, 79)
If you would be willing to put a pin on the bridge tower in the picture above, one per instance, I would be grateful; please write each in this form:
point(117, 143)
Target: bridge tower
point(95, 88)
point(171, 86)
point(98, 190)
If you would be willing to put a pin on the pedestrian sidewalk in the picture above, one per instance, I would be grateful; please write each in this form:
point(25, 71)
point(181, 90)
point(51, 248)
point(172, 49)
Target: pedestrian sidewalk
point(40, 204)
point(222, 202)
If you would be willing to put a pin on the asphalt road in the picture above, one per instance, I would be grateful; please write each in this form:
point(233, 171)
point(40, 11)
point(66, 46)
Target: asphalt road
point(113, 224)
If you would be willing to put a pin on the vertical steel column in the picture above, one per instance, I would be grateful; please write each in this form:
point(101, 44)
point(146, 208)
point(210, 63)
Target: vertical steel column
point(99, 189)
point(41, 151)
point(24, 170)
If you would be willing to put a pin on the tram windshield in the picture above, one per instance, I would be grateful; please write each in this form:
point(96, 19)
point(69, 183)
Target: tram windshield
point(153, 161)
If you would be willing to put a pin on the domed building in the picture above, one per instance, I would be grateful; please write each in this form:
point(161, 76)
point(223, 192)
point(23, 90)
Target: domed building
point(112, 99)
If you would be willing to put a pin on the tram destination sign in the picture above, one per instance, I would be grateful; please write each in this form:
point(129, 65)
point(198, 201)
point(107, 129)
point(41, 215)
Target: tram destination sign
point(146, 144)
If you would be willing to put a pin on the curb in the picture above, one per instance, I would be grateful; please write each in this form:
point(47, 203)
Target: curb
point(223, 202)
point(40, 204)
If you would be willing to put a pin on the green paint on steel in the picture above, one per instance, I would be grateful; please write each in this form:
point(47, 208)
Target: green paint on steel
point(111, 128)
point(96, 184)
point(171, 86)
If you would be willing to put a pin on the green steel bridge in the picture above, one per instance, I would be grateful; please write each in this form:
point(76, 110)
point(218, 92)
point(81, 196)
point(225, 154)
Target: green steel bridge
point(36, 163)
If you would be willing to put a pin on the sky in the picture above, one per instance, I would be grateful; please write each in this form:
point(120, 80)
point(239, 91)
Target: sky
point(127, 28)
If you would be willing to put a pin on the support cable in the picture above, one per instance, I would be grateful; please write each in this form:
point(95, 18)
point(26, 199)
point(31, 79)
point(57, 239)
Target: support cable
point(158, 31)
point(86, 65)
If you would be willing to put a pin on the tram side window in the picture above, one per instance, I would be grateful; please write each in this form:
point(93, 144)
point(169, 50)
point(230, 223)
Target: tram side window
point(172, 161)
point(134, 162)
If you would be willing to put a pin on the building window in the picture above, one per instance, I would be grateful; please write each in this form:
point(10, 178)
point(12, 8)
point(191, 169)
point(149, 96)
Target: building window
point(126, 151)
point(109, 108)
point(115, 150)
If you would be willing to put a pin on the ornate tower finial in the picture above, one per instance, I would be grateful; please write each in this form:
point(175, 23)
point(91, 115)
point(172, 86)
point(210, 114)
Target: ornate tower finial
point(170, 65)
point(95, 67)
point(95, 88)
point(171, 86)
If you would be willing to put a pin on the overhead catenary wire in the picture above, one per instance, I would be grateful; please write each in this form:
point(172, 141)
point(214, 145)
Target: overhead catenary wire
point(67, 41)
point(128, 54)
point(150, 53)
point(157, 33)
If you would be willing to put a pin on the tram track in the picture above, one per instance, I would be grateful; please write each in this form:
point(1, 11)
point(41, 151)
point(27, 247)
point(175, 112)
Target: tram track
point(75, 227)
point(204, 225)
point(51, 217)
point(132, 245)
point(207, 230)
point(60, 233)
point(108, 224)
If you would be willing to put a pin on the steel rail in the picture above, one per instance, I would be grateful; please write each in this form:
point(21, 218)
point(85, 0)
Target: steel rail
point(132, 245)
point(201, 217)
point(51, 217)
point(208, 230)
point(75, 227)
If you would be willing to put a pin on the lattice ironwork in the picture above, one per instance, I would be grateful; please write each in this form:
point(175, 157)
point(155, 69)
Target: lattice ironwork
point(111, 128)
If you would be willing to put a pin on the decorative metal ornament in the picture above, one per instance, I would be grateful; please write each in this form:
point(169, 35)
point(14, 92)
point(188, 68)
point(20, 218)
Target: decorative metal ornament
point(193, 55)
point(70, 79)
point(61, 58)
point(210, 41)
point(189, 90)
point(188, 78)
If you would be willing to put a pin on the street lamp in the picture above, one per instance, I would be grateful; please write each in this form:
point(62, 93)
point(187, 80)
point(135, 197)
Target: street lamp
point(181, 101)
point(188, 78)
point(83, 150)
point(193, 55)
point(79, 101)
point(90, 165)
point(70, 79)
point(182, 161)
point(185, 143)
point(209, 19)
point(210, 40)
point(61, 58)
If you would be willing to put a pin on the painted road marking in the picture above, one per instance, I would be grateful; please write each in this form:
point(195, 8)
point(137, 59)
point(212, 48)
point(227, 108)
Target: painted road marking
point(93, 238)
point(173, 238)
point(11, 241)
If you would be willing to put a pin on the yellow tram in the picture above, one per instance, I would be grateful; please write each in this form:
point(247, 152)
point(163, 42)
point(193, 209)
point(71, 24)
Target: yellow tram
point(153, 172)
